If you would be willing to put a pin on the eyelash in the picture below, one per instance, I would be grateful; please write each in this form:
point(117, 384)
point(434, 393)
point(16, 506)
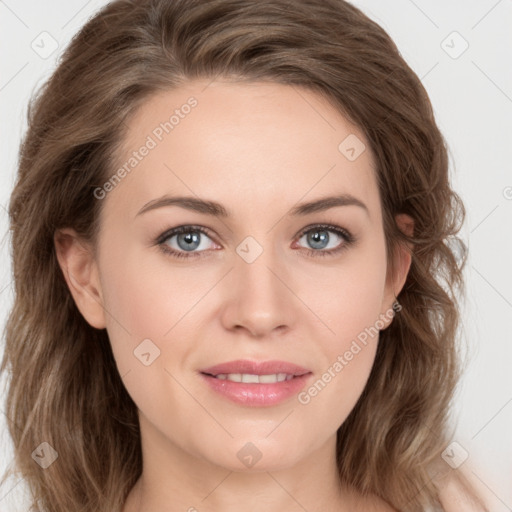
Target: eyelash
point(348, 238)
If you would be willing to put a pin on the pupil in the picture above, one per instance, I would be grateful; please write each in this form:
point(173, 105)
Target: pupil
point(317, 238)
point(188, 238)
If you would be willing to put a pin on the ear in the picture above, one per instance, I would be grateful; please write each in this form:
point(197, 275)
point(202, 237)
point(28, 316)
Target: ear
point(402, 260)
point(77, 262)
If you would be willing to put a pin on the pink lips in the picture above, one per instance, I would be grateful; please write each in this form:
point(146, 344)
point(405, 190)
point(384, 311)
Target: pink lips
point(256, 394)
point(255, 368)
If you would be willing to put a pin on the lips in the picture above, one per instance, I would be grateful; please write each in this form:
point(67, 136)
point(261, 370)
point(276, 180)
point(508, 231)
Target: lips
point(253, 383)
point(247, 367)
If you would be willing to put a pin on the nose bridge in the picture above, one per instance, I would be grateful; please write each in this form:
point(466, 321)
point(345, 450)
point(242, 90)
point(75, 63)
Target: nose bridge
point(260, 298)
point(256, 266)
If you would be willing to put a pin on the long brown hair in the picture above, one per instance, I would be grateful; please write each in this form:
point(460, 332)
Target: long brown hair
point(64, 387)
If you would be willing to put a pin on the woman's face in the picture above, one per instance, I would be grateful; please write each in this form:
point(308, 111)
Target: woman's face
point(263, 282)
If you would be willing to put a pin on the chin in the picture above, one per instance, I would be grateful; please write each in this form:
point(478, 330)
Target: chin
point(256, 455)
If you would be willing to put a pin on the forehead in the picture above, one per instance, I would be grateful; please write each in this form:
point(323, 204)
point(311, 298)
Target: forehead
point(245, 144)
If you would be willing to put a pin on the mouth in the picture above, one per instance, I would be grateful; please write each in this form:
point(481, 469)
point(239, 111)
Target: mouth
point(252, 383)
point(251, 378)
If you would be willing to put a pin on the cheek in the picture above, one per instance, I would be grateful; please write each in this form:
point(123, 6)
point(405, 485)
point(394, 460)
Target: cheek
point(143, 307)
point(151, 308)
point(349, 304)
point(133, 302)
point(327, 402)
point(348, 358)
point(348, 297)
point(146, 295)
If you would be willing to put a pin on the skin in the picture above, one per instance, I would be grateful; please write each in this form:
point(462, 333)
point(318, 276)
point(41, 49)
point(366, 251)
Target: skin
point(259, 149)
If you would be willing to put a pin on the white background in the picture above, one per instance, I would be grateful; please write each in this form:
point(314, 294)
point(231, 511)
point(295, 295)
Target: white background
point(472, 99)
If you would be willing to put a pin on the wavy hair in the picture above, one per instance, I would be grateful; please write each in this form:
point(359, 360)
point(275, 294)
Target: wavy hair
point(64, 387)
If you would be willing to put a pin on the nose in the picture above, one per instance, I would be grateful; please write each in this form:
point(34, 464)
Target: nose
point(259, 297)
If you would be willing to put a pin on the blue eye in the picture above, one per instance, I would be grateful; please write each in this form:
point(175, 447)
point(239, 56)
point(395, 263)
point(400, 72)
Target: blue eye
point(318, 237)
point(188, 240)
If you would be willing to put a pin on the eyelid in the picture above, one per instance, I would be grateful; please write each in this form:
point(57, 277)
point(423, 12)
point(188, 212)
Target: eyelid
point(323, 225)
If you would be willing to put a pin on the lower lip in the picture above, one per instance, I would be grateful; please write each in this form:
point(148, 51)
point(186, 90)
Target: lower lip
point(257, 395)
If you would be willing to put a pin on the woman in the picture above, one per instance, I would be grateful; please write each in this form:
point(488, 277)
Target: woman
point(235, 286)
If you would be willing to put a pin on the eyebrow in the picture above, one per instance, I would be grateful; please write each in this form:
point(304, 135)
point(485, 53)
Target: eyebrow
point(218, 210)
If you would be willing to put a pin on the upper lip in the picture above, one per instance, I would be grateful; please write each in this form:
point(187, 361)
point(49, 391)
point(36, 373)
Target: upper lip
point(256, 368)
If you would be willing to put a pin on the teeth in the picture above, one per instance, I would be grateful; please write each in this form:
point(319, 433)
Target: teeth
point(248, 378)
point(254, 379)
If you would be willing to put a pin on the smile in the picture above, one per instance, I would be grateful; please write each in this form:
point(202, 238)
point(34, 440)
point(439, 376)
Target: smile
point(250, 378)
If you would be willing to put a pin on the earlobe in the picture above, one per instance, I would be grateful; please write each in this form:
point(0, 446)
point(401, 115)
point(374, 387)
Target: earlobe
point(80, 271)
